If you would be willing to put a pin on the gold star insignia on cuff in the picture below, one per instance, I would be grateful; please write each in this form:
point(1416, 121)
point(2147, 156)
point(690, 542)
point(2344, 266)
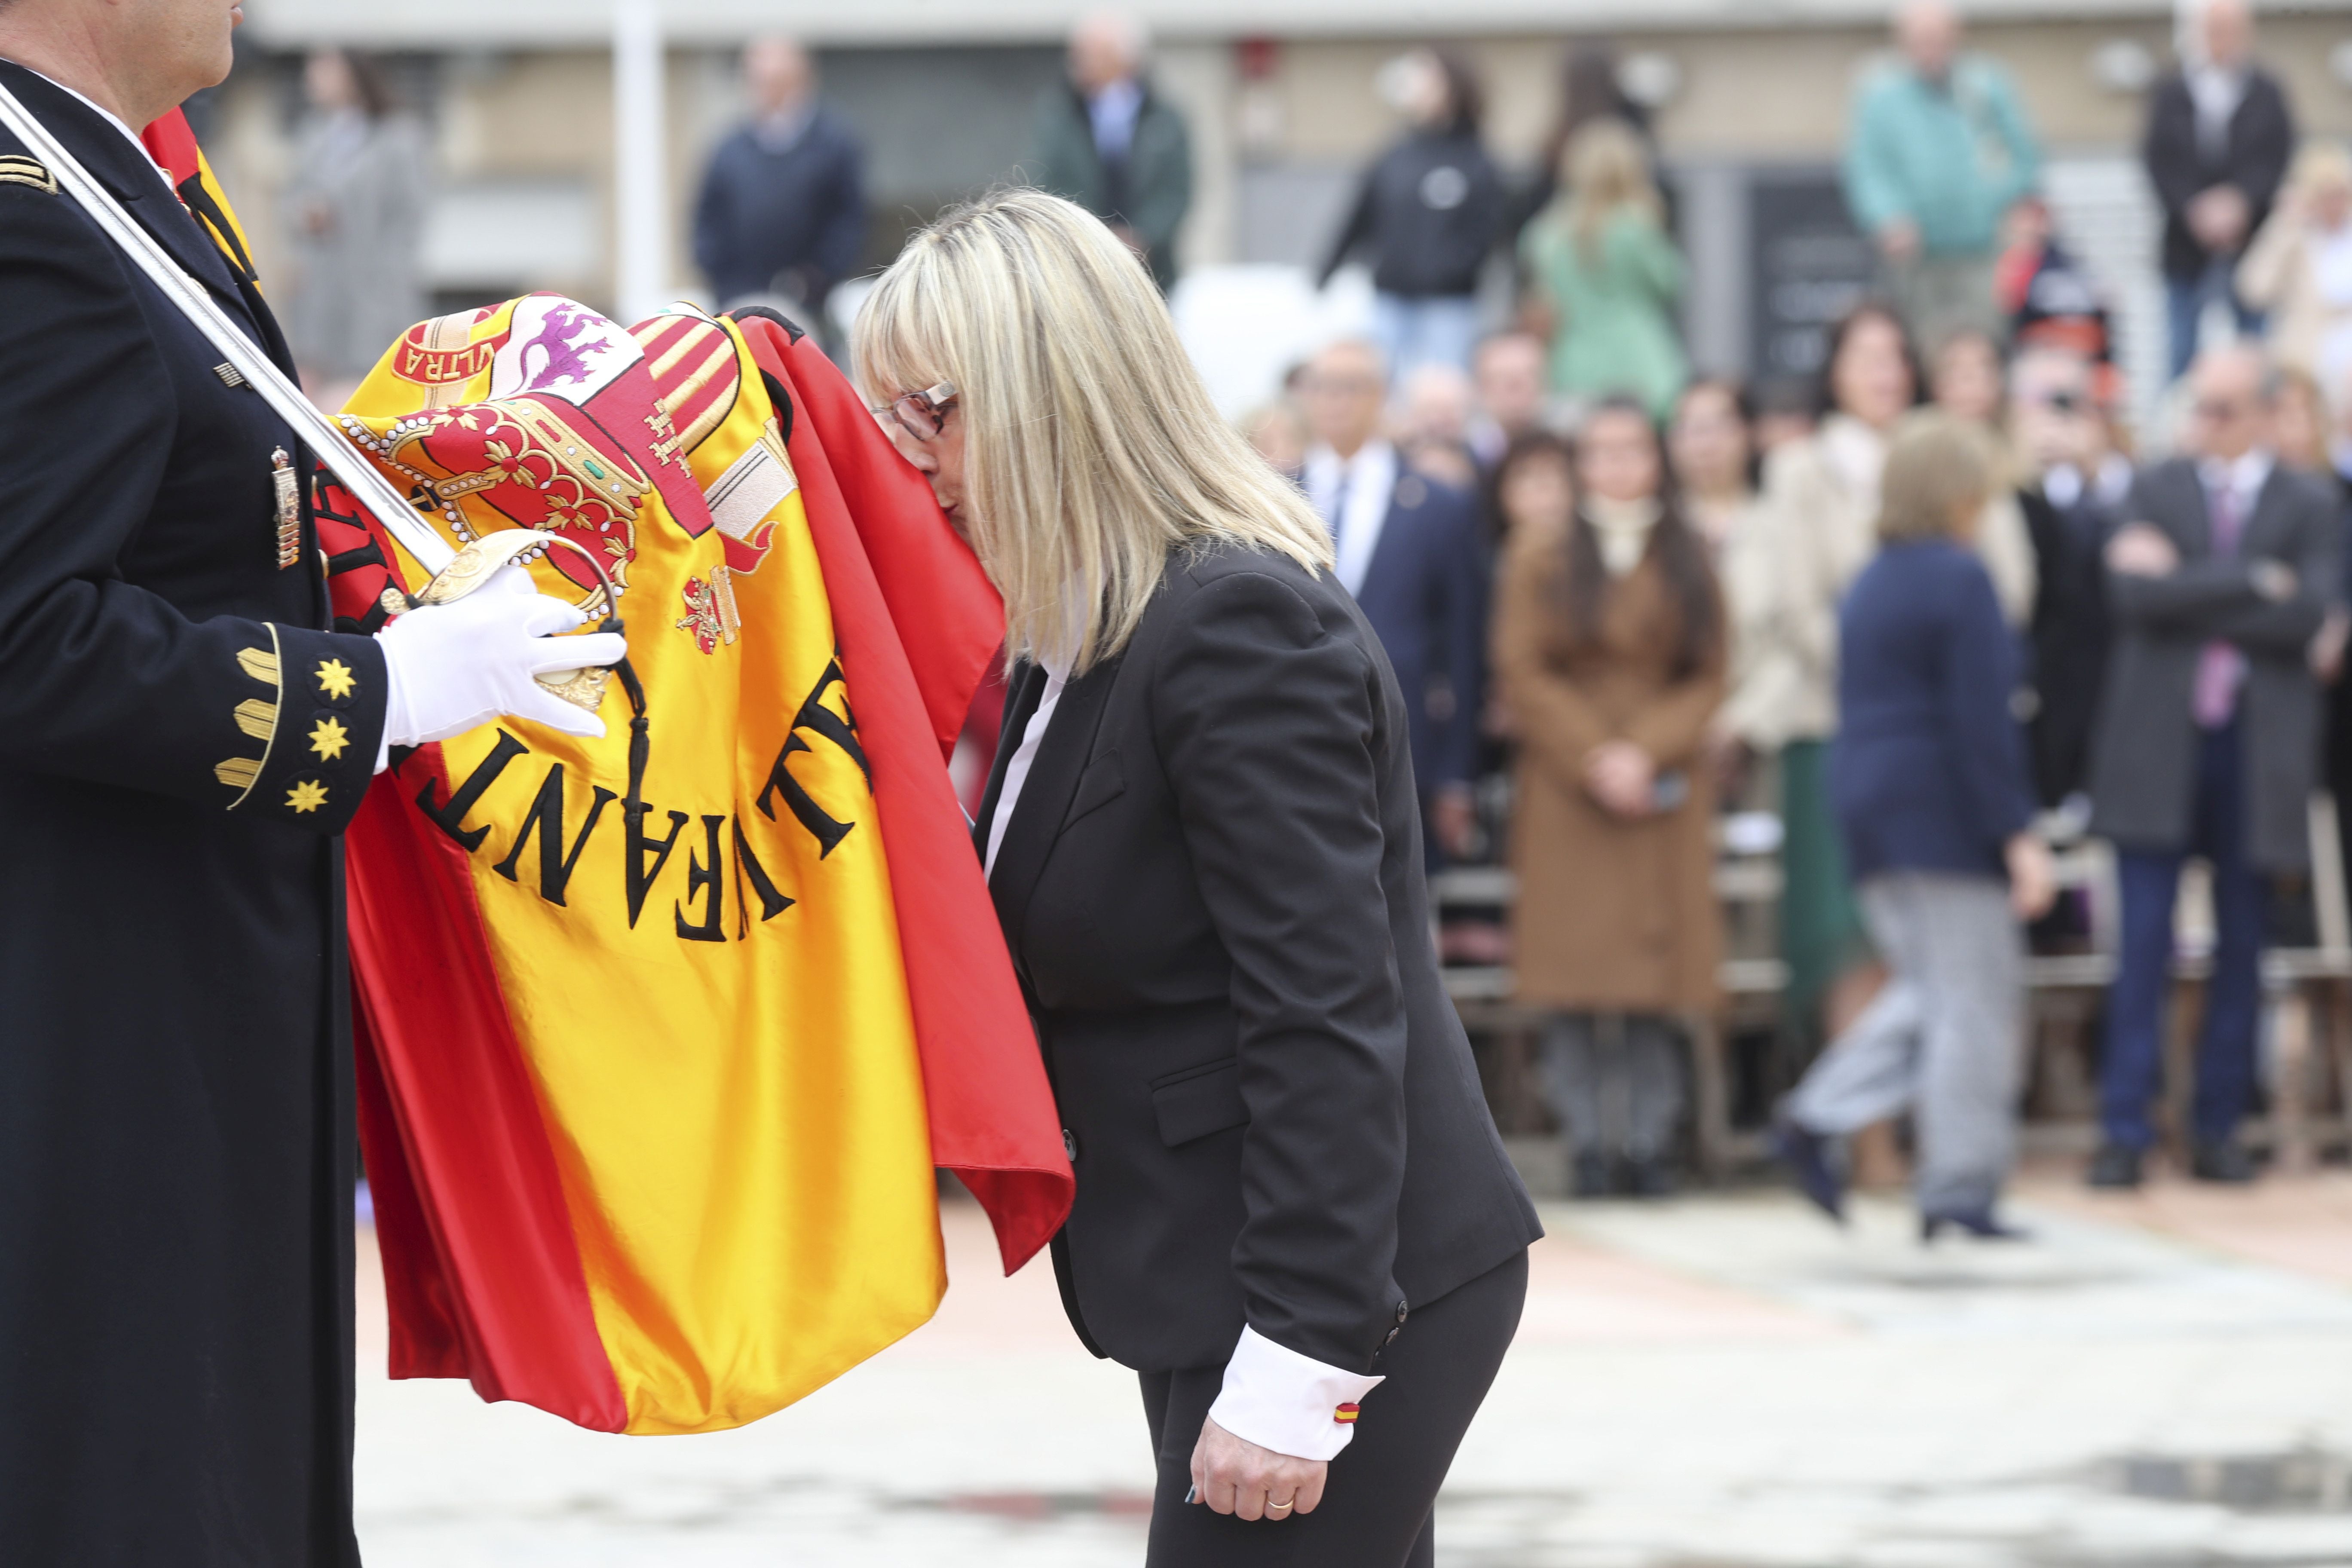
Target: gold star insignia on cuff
point(310, 795)
point(335, 678)
point(329, 738)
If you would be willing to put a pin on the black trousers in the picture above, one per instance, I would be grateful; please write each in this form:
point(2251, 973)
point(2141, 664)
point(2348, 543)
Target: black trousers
point(1375, 1512)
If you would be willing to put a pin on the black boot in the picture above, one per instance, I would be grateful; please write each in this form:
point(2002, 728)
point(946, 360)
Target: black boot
point(2115, 1167)
point(2227, 1162)
point(1807, 1155)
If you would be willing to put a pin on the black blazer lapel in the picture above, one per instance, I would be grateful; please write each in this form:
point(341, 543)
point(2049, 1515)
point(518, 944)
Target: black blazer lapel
point(1025, 685)
point(2263, 531)
point(1045, 802)
point(138, 185)
point(2192, 523)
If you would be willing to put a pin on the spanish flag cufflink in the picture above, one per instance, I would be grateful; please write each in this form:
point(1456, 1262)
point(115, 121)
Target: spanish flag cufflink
point(1345, 1415)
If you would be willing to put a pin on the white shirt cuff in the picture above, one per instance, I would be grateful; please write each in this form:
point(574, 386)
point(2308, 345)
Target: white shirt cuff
point(1286, 1402)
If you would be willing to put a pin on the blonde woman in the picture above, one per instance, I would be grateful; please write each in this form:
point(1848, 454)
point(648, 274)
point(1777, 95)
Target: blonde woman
point(1204, 840)
point(2299, 267)
point(1606, 275)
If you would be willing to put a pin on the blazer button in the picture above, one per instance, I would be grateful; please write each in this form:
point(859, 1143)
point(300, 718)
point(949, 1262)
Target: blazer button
point(1070, 1145)
point(1392, 1334)
point(1400, 1304)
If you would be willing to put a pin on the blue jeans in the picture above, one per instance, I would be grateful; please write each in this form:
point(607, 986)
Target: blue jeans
point(1441, 329)
point(2130, 1075)
point(2184, 307)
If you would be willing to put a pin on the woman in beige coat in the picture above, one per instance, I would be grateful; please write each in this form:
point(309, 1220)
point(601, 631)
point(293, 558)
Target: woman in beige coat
point(2299, 268)
point(1609, 648)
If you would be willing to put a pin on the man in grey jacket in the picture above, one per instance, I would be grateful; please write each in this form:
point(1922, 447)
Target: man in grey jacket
point(1108, 142)
point(2207, 743)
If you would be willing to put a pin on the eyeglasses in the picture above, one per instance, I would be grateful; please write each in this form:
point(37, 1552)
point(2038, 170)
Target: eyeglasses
point(922, 414)
point(2219, 410)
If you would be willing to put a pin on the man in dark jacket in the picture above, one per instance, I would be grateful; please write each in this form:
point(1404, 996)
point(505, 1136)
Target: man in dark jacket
point(1409, 552)
point(783, 208)
point(2219, 137)
point(2206, 741)
point(1428, 213)
point(1109, 143)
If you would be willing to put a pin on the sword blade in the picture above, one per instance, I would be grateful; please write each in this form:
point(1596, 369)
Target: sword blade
point(322, 436)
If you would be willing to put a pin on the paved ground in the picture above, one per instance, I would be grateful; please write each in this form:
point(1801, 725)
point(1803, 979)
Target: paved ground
point(1718, 1382)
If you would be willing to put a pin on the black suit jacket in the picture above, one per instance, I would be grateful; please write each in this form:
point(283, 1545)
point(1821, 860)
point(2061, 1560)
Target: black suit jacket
point(2260, 140)
point(175, 1060)
point(1211, 888)
point(2143, 757)
point(1424, 591)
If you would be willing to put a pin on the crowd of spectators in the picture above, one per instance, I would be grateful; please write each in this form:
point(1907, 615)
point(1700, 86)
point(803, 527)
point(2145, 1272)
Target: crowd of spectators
point(1929, 617)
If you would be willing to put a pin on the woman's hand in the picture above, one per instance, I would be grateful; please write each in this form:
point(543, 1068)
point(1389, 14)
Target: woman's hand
point(1235, 1476)
point(1621, 777)
point(2033, 876)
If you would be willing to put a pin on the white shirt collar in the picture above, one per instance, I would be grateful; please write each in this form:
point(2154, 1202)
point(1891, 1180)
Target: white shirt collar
point(1371, 478)
point(111, 119)
point(2245, 478)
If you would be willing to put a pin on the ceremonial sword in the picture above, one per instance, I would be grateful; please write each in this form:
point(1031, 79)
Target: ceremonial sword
point(333, 449)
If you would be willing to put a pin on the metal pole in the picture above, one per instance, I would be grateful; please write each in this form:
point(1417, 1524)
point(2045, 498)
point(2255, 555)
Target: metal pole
point(640, 161)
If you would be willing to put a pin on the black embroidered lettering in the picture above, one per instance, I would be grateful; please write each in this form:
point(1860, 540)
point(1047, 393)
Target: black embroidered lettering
point(826, 830)
point(555, 862)
point(772, 901)
point(450, 819)
point(700, 874)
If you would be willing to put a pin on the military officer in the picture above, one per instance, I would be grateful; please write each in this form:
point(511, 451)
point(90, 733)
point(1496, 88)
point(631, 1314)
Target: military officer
point(182, 739)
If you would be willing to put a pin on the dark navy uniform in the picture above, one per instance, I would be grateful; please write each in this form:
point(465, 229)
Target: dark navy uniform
point(181, 743)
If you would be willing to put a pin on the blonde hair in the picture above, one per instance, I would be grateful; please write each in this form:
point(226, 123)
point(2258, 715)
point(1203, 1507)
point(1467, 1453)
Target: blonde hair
point(1603, 169)
point(1939, 470)
point(2320, 162)
point(1092, 451)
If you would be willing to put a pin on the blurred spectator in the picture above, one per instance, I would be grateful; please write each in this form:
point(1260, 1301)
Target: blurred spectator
point(1608, 647)
point(1535, 484)
point(782, 207)
point(1276, 433)
point(1432, 427)
point(1788, 407)
point(1112, 144)
point(357, 203)
point(1409, 552)
point(1605, 276)
point(1816, 532)
point(1589, 91)
point(2298, 270)
point(1508, 377)
point(1936, 152)
point(2206, 742)
point(2047, 298)
point(1427, 214)
point(1714, 459)
point(1820, 504)
point(2076, 485)
point(2219, 136)
point(1967, 382)
point(2300, 427)
point(1933, 802)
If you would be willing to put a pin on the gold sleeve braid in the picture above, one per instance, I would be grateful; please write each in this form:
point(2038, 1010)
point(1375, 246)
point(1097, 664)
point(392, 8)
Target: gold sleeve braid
point(256, 717)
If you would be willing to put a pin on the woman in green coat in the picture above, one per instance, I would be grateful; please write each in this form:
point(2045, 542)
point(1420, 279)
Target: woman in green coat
point(1604, 272)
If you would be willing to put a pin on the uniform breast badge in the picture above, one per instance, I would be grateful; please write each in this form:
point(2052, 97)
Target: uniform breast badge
point(290, 509)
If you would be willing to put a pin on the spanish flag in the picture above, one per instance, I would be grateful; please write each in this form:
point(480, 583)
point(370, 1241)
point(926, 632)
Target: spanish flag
point(664, 1033)
point(661, 1036)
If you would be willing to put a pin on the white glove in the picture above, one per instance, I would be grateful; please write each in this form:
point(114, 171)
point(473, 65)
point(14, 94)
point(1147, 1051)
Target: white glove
point(450, 668)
